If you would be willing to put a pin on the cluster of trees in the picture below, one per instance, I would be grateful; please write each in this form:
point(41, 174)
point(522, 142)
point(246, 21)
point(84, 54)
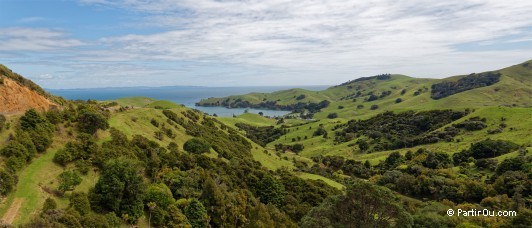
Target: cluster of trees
point(262, 135)
point(390, 130)
point(34, 134)
point(487, 148)
point(227, 144)
point(472, 81)
point(296, 107)
point(173, 188)
point(427, 175)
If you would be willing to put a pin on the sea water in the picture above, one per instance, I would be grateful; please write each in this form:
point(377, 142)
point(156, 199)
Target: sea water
point(186, 95)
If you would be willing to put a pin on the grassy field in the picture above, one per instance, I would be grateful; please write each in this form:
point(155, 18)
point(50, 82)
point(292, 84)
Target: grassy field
point(311, 176)
point(135, 101)
point(162, 104)
point(137, 122)
point(42, 171)
point(248, 118)
point(518, 130)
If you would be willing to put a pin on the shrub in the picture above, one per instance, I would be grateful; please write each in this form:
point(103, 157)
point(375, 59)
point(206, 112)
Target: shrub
point(332, 115)
point(374, 107)
point(398, 100)
point(90, 121)
point(197, 146)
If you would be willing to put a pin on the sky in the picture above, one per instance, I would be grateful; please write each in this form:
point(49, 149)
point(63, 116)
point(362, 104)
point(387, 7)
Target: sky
point(122, 43)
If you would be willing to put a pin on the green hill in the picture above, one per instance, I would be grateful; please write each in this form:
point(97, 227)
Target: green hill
point(513, 88)
point(422, 145)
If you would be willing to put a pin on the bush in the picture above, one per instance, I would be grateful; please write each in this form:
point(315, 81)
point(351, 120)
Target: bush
point(332, 115)
point(90, 121)
point(197, 146)
point(374, 107)
point(7, 182)
point(398, 100)
point(297, 147)
point(80, 202)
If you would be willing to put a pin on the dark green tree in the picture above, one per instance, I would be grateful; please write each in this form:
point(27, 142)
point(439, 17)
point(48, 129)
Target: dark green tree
point(197, 146)
point(158, 199)
point(197, 214)
point(90, 121)
point(80, 202)
point(68, 180)
point(270, 190)
point(120, 189)
point(363, 205)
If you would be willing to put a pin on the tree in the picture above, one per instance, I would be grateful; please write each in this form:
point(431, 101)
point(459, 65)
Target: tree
point(393, 160)
point(364, 205)
point(270, 190)
point(80, 202)
point(90, 121)
point(197, 146)
point(298, 147)
point(363, 144)
point(437, 160)
point(176, 218)
point(332, 115)
point(68, 180)
point(7, 182)
point(197, 214)
point(49, 204)
point(158, 198)
point(120, 189)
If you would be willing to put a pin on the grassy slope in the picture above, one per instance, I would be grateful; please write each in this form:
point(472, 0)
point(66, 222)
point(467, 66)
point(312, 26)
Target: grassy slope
point(162, 104)
point(248, 118)
point(137, 122)
point(330, 182)
point(135, 101)
point(515, 87)
point(517, 118)
point(40, 172)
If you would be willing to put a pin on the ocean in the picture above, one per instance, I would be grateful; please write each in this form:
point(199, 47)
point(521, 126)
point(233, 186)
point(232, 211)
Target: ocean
point(186, 95)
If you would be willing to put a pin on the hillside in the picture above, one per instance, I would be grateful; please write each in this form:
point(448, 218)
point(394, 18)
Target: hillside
point(142, 162)
point(511, 86)
point(16, 98)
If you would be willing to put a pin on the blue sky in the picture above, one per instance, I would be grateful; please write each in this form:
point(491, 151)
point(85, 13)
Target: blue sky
point(106, 43)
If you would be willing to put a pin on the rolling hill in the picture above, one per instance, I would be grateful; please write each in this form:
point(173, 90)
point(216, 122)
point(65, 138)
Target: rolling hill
point(512, 87)
point(423, 145)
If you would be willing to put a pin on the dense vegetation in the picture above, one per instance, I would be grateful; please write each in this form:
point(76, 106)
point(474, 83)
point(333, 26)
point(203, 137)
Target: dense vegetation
point(297, 107)
point(391, 130)
point(169, 166)
point(138, 177)
point(472, 81)
point(261, 135)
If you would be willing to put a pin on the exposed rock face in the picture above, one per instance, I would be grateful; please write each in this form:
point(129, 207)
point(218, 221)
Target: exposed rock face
point(15, 98)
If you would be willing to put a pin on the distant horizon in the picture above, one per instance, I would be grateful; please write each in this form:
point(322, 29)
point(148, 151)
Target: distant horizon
point(190, 86)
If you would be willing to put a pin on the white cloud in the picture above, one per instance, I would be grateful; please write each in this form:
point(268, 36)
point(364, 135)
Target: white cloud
point(315, 34)
point(292, 41)
point(34, 39)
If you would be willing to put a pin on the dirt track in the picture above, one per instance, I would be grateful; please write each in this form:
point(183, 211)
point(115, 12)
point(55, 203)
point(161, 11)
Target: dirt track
point(12, 212)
